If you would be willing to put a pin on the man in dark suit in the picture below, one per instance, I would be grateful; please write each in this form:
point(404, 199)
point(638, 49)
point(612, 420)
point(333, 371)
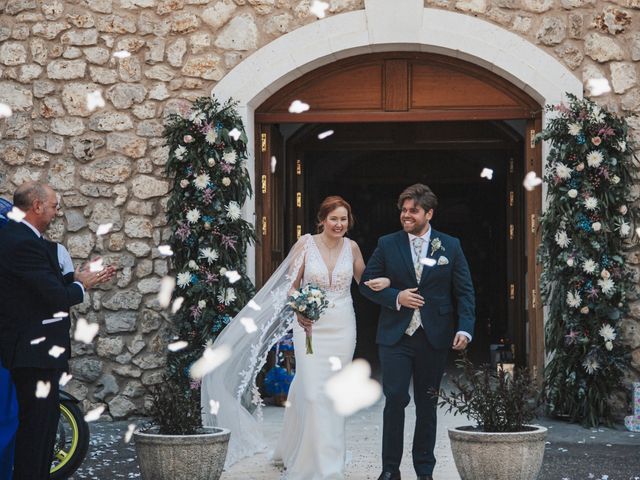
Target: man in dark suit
point(428, 309)
point(32, 291)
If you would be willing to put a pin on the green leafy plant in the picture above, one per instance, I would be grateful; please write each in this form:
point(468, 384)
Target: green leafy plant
point(585, 278)
point(496, 400)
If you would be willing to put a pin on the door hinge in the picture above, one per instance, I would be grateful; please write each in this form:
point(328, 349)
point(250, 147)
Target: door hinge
point(512, 230)
point(512, 198)
point(264, 184)
point(298, 167)
point(298, 231)
point(532, 139)
point(534, 299)
point(533, 223)
point(511, 165)
point(512, 292)
point(263, 142)
point(264, 226)
point(299, 199)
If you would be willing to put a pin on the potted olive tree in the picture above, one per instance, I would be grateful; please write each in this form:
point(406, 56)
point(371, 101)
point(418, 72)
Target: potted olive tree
point(177, 446)
point(502, 445)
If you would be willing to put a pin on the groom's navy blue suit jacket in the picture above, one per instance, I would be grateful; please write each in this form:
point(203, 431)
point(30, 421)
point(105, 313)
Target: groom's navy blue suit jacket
point(449, 300)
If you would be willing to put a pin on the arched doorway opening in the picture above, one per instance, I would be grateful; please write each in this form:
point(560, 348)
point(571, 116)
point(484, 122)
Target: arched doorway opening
point(399, 118)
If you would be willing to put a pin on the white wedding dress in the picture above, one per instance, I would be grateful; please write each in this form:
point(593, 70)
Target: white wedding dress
point(312, 441)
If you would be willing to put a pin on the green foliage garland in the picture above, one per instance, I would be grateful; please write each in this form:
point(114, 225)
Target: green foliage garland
point(585, 279)
point(208, 152)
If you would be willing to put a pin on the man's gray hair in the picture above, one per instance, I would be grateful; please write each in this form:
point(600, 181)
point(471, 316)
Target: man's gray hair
point(27, 193)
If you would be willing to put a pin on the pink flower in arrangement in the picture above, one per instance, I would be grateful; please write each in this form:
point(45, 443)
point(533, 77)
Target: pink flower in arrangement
point(183, 232)
point(606, 132)
point(187, 139)
point(195, 311)
point(593, 293)
point(195, 384)
point(580, 167)
point(211, 278)
point(596, 141)
point(207, 196)
point(229, 241)
point(571, 337)
point(226, 168)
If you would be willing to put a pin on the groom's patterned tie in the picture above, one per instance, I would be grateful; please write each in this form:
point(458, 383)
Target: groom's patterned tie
point(415, 319)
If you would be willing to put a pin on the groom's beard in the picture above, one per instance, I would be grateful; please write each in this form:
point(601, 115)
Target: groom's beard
point(415, 228)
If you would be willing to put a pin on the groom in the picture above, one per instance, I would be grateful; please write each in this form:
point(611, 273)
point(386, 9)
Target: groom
point(428, 309)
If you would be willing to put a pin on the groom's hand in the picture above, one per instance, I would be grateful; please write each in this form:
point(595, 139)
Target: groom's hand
point(460, 342)
point(410, 299)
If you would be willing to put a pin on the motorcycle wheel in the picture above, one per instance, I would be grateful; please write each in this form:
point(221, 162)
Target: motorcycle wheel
point(72, 441)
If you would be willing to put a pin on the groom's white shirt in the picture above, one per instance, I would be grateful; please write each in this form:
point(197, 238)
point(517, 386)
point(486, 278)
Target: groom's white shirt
point(423, 253)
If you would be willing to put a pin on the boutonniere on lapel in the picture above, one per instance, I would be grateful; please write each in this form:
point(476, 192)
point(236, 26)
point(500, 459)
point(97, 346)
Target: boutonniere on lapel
point(436, 245)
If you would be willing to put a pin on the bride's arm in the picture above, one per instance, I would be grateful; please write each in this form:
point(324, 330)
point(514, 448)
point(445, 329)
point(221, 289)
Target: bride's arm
point(375, 284)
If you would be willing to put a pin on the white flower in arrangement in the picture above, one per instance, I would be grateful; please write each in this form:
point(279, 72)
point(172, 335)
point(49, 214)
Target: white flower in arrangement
point(580, 167)
point(202, 304)
point(591, 203)
point(589, 266)
point(573, 299)
point(607, 285)
point(574, 129)
point(211, 162)
point(180, 152)
point(183, 279)
point(233, 211)
point(562, 239)
point(230, 157)
point(597, 115)
point(607, 332)
point(193, 215)
point(197, 117)
point(594, 159)
point(184, 183)
point(201, 181)
point(584, 310)
point(223, 271)
point(227, 296)
point(625, 229)
point(211, 136)
point(608, 345)
point(562, 171)
point(193, 265)
point(570, 261)
point(209, 254)
point(615, 179)
point(622, 146)
point(573, 193)
point(226, 181)
point(597, 226)
point(623, 209)
point(605, 273)
point(591, 365)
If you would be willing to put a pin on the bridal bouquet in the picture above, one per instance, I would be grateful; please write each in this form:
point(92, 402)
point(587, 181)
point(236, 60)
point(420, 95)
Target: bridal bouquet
point(309, 301)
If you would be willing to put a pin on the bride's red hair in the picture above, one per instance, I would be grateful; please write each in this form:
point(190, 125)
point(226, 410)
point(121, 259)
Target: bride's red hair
point(328, 205)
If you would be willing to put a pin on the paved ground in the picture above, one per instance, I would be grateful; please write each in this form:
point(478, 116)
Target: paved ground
point(572, 453)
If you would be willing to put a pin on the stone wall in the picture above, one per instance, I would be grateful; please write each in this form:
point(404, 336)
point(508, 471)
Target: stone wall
point(107, 164)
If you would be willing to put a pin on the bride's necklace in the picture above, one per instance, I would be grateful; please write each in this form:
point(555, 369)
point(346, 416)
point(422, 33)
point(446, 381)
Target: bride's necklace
point(331, 250)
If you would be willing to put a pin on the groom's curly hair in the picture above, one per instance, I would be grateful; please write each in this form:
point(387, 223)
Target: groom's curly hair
point(421, 194)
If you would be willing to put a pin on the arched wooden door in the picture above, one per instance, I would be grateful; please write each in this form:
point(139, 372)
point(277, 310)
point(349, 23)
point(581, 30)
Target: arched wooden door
point(402, 87)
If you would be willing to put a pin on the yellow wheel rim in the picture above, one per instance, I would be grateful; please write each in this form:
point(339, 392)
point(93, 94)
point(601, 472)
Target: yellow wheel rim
point(64, 455)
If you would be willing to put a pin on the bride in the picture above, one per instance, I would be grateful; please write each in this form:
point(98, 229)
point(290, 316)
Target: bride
point(312, 441)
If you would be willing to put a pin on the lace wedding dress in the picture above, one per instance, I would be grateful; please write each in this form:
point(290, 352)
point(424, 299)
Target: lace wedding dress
point(312, 441)
point(312, 444)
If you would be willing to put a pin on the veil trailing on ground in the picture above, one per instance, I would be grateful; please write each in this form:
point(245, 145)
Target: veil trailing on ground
point(232, 386)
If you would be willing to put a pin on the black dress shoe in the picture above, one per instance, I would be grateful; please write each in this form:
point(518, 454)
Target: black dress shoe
point(389, 476)
point(425, 477)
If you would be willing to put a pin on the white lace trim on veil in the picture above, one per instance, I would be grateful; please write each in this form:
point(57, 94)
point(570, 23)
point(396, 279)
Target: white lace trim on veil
point(233, 384)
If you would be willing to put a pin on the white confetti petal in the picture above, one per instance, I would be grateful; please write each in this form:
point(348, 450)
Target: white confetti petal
point(486, 173)
point(233, 276)
point(16, 214)
point(214, 407)
point(336, 364)
point(209, 361)
point(298, 107)
point(177, 303)
point(286, 404)
point(274, 163)
point(179, 345)
point(104, 228)
point(95, 100)
point(93, 415)
point(352, 388)
point(60, 315)
point(56, 351)
point(122, 54)
point(598, 86)
point(5, 110)
point(165, 250)
point(64, 379)
point(254, 306)
point(429, 262)
point(43, 389)
point(531, 181)
point(129, 434)
point(323, 135)
point(85, 331)
point(97, 265)
point(235, 134)
point(249, 324)
point(38, 340)
point(319, 8)
point(167, 285)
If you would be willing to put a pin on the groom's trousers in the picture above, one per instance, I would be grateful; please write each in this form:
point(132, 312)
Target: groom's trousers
point(413, 357)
